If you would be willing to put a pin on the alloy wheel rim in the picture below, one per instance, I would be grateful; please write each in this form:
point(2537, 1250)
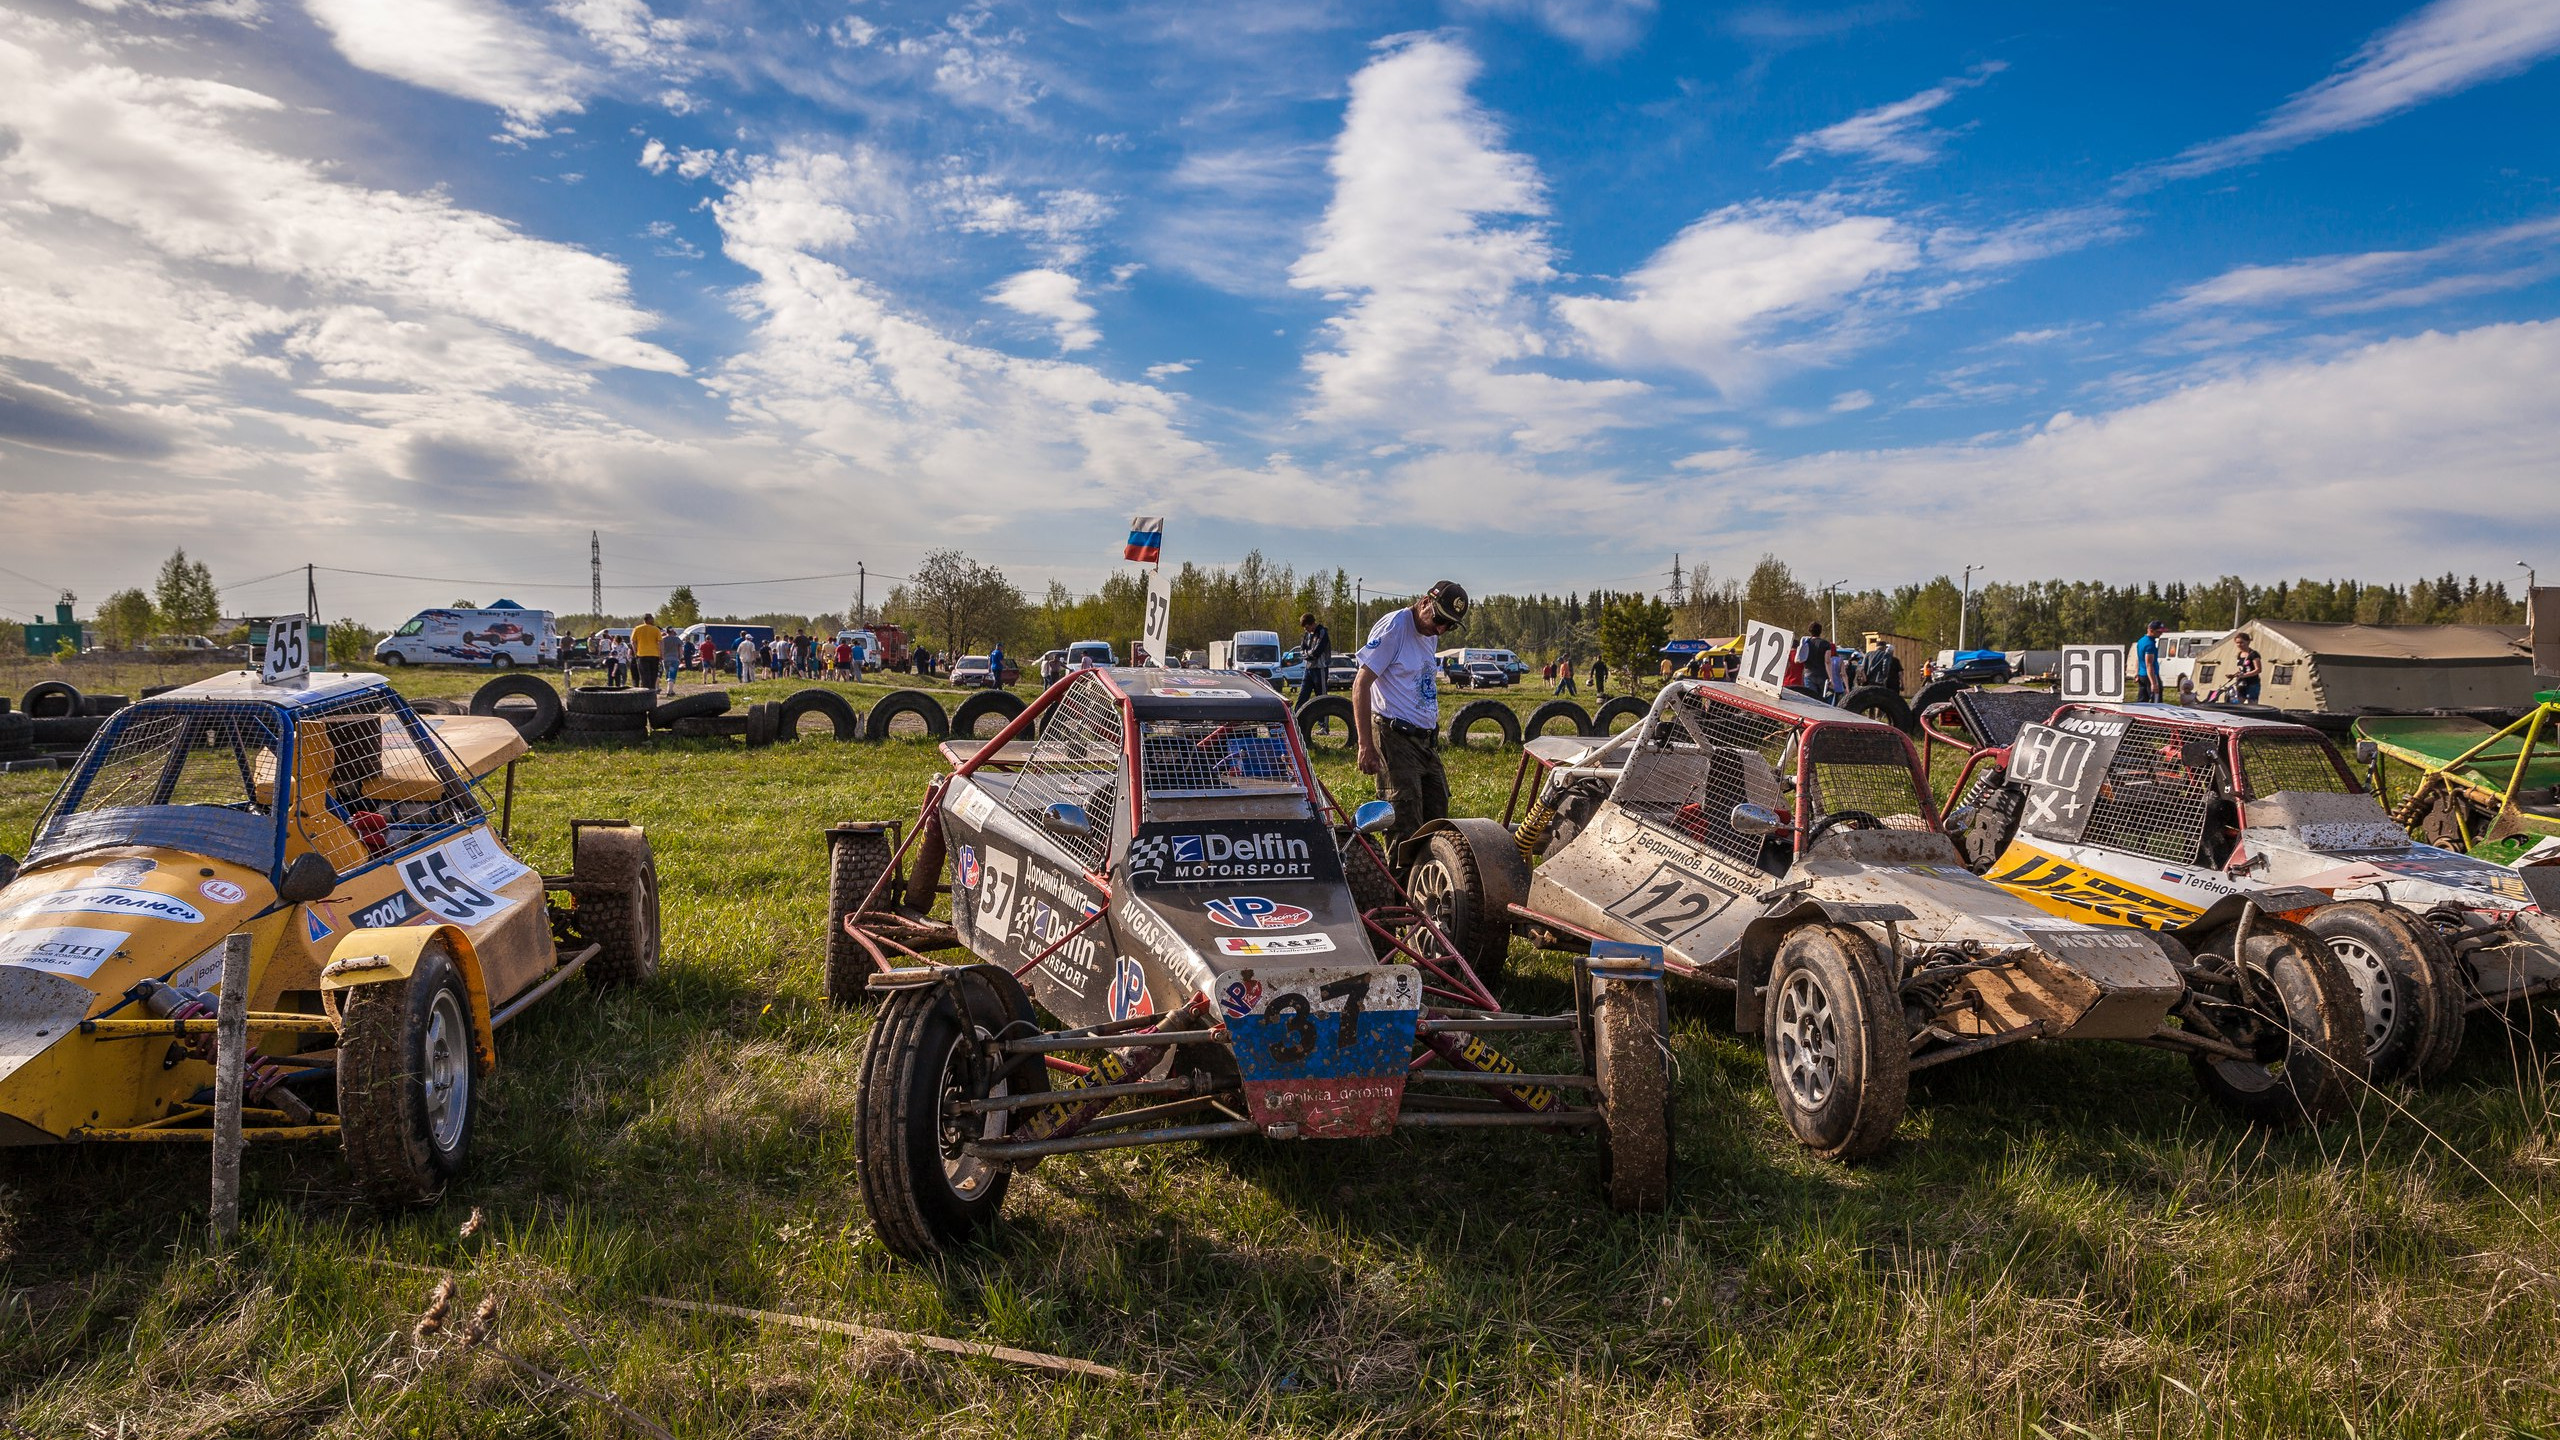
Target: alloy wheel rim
point(1808, 1041)
point(444, 1070)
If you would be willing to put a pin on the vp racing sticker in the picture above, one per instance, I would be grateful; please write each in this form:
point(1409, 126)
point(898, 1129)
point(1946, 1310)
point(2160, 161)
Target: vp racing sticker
point(1253, 912)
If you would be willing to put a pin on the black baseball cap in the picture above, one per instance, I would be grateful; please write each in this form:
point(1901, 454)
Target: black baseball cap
point(1448, 602)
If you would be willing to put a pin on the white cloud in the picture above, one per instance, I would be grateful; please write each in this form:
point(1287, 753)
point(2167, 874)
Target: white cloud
point(1168, 369)
point(1434, 320)
point(1894, 132)
point(2500, 259)
point(1050, 295)
point(1709, 461)
point(1744, 292)
point(625, 30)
point(1850, 401)
point(1600, 27)
point(1058, 221)
point(2349, 465)
point(476, 49)
point(2444, 48)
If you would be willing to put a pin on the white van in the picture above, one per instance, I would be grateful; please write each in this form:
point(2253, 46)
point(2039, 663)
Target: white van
point(1255, 652)
point(504, 634)
point(1084, 653)
point(2179, 651)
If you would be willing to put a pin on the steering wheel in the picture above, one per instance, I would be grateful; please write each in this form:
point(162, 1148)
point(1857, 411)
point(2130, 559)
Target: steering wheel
point(1857, 819)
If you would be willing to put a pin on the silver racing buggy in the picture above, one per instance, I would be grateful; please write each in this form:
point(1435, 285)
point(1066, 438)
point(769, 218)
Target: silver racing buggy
point(1788, 851)
point(1176, 935)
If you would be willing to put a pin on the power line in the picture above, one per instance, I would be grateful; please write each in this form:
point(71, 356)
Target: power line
point(572, 586)
point(263, 579)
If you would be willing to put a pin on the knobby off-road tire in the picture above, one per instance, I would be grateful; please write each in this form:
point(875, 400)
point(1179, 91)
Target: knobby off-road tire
point(2310, 1052)
point(1631, 1051)
point(103, 705)
point(1447, 885)
point(1933, 692)
point(591, 723)
point(2408, 986)
point(838, 711)
point(690, 707)
point(1575, 717)
point(1617, 706)
point(1326, 724)
point(856, 861)
point(17, 732)
point(407, 1088)
point(1839, 1059)
point(536, 722)
point(926, 710)
point(1881, 702)
point(1365, 870)
point(621, 912)
point(1504, 720)
point(1003, 705)
point(922, 1196)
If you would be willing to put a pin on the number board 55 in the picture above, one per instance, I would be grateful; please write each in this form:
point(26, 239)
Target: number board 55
point(1764, 658)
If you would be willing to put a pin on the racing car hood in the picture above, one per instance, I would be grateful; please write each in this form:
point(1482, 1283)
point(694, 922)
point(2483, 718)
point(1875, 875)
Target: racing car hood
point(2077, 980)
point(75, 936)
point(2348, 845)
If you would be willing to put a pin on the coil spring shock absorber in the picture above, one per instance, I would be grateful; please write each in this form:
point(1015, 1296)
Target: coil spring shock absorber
point(262, 1077)
point(1532, 834)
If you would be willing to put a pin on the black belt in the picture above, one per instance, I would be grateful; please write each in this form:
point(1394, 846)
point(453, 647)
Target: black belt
point(1417, 732)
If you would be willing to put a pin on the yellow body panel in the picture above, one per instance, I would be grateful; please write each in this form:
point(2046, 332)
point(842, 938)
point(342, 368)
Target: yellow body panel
point(370, 957)
point(2079, 891)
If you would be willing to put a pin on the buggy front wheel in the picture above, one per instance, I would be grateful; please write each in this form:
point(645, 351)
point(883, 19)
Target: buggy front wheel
point(2407, 986)
point(405, 1072)
point(1631, 1051)
point(924, 1195)
point(2298, 1017)
point(1839, 1059)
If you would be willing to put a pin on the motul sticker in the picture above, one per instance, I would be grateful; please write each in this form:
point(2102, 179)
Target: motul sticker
point(112, 900)
point(1274, 946)
point(1252, 912)
point(73, 950)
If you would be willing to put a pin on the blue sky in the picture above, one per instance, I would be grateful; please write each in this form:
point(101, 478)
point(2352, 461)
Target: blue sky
point(1534, 293)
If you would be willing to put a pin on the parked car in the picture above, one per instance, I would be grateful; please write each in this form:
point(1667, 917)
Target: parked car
point(971, 673)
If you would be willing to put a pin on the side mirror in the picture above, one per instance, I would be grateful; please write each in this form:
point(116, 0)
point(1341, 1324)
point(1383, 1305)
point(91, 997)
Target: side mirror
point(1959, 820)
point(1372, 817)
point(1066, 818)
point(1756, 820)
point(310, 877)
point(2367, 752)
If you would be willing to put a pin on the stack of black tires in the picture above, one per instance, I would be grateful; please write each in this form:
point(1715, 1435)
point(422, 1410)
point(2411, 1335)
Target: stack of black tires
point(607, 715)
point(51, 724)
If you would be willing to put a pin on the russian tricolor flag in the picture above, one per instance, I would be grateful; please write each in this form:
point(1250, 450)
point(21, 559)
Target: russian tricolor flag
point(1146, 539)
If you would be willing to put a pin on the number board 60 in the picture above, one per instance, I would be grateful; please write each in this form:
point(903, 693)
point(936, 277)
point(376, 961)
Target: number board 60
point(2092, 672)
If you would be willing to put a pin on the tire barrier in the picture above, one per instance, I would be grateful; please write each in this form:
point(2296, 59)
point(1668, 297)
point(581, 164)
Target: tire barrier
point(1501, 717)
point(50, 698)
point(1002, 705)
point(1627, 705)
point(927, 711)
point(537, 720)
point(1881, 702)
point(813, 701)
point(1577, 720)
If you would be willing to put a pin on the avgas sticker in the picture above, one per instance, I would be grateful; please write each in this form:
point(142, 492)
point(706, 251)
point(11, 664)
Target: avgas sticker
point(1671, 902)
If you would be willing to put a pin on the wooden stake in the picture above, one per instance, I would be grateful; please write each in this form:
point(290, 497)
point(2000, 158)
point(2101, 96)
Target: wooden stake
point(1005, 1353)
point(230, 1064)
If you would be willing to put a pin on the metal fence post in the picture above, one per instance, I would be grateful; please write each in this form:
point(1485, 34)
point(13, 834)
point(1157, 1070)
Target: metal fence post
point(230, 1062)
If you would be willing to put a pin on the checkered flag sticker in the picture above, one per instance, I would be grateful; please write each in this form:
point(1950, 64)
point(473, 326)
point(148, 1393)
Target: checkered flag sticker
point(1148, 854)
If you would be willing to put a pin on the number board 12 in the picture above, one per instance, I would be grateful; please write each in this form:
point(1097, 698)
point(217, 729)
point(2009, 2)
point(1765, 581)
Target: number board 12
point(1764, 658)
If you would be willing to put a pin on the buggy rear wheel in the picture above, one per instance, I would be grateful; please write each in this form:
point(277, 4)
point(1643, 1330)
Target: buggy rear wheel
point(857, 858)
point(924, 1196)
point(1630, 1035)
point(618, 902)
point(2298, 1018)
point(1447, 886)
point(1839, 1060)
point(405, 1072)
point(2407, 986)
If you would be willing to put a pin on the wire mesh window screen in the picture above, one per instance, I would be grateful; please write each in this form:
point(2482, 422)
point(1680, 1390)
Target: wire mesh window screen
point(1075, 761)
point(362, 787)
point(184, 758)
point(2157, 794)
point(1703, 757)
point(2273, 763)
point(1860, 769)
point(1213, 757)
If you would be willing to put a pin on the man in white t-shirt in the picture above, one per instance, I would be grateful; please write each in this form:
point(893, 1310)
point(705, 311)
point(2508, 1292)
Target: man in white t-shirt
point(1395, 708)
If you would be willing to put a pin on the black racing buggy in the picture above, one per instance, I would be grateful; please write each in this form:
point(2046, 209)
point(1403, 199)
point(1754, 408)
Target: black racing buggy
point(1177, 935)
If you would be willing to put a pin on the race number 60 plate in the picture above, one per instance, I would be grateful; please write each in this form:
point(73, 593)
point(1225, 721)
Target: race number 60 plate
point(1322, 1047)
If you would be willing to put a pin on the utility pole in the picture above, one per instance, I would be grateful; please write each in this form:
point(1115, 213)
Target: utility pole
point(1675, 577)
point(311, 606)
point(2239, 596)
point(1964, 608)
point(595, 577)
point(1359, 605)
point(861, 593)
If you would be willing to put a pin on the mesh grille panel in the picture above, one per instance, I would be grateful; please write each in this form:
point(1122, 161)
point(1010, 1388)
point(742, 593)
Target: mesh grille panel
point(1701, 758)
point(2273, 763)
point(1075, 761)
point(2153, 802)
point(1857, 769)
point(1213, 757)
point(185, 758)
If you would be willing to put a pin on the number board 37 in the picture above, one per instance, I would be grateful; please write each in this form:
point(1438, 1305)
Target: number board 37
point(1671, 902)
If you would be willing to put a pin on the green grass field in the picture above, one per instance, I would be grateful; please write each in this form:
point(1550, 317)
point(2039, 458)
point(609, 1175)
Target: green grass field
point(2064, 1240)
